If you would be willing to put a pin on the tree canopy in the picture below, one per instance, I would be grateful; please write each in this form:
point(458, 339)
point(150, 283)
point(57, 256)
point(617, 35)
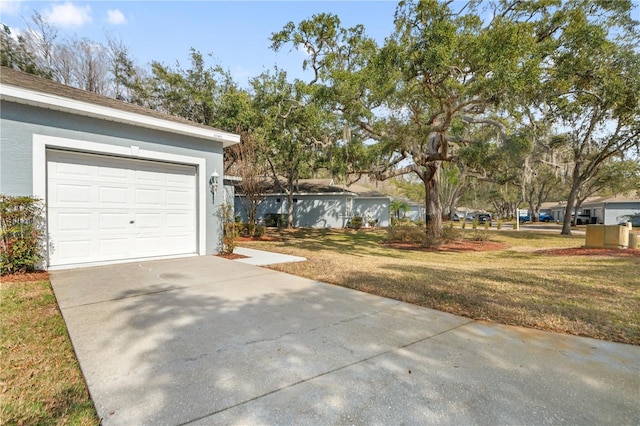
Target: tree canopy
point(538, 99)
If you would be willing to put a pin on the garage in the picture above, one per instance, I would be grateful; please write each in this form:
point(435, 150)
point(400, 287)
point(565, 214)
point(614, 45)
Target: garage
point(120, 182)
point(104, 208)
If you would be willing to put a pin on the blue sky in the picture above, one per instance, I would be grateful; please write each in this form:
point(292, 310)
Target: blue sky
point(236, 33)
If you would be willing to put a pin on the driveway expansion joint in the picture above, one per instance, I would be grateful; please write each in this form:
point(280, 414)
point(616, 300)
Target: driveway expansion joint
point(364, 360)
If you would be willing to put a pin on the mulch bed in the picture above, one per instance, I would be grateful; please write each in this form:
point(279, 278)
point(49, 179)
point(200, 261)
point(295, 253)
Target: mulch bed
point(26, 277)
point(583, 251)
point(453, 246)
point(231, 256)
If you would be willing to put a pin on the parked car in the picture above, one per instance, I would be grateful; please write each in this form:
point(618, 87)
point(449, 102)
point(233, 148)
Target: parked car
point(542, 217)
point(582, 219)
point(483, 217)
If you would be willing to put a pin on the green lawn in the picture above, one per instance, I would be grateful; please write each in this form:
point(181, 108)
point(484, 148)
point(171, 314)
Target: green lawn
point(595, 296)
point(40, 380)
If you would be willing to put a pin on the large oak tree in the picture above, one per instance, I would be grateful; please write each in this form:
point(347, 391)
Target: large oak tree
point(445, 67)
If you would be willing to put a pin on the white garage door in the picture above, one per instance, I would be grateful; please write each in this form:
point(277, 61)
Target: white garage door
point(104, 208)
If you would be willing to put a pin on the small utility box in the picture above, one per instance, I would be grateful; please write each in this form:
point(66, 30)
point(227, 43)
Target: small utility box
point(633, 240)
point(607, 236)
point(595, 236)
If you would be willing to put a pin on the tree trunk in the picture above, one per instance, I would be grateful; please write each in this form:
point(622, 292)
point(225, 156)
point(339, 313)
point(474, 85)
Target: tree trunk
point(532, 212)
point(433, 208)
point(253, 218)
point(566, 224)
point(290, 210)
point(453, 201)
point(291, 188)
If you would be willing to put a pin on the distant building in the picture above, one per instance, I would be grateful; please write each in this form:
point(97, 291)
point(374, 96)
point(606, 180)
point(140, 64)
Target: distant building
point(319, 203)
point(609, 210)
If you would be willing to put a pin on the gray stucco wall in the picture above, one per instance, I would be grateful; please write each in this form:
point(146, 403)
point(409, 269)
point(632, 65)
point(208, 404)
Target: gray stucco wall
point(372, 208)
point(321, 211)
point(415, 213)
point(18, 124)
point(615, 213)
point(308, 211)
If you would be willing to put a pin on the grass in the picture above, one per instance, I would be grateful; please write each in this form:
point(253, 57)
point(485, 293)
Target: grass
point(594, 296)
point(40, 379)
point(599, 297)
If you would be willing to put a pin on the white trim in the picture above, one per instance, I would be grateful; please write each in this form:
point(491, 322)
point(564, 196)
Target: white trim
point(59, 103)
point(41, 143)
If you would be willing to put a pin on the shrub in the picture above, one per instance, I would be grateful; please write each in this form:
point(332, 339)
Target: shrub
point(416, 235)
point(259, 231)
point(499, 224)
point(480, 236)
point(22, 234)
point(242, 229)
point(356, 222)
point(229, 229)
point(464, 224)
point(474, 224)
point(486, 225)
point(451, 234)
point(407, 234)
point(276, 220)
point(401, 221)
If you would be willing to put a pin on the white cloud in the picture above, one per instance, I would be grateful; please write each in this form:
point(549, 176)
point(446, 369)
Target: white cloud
point(115, 17)
point(68, 15)
point(10, 7)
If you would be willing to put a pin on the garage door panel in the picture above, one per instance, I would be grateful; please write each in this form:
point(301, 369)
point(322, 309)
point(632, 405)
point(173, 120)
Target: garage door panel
point(72, 250)
point(113, 196)
point(73, 193)
point(114, 248)
point(149, 177)
point(148, 196)
point(113, 174)
point(73, 170)
point(179, 180)
point(113, 221)
point(177, 243)
point(73, 222)
point(149, 245)
point(178, 198)
point(151, 221)
point(106, 208)
point(180, 221)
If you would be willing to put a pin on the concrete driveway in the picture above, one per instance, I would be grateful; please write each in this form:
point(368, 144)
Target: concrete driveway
point(205, 340)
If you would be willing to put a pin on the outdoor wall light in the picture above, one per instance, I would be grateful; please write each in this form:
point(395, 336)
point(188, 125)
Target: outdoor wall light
point(213, 182)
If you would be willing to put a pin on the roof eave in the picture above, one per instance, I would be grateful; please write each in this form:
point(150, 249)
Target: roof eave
point(72, 106)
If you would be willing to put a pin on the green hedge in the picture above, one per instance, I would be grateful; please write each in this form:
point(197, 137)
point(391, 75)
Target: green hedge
point(22, 234)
